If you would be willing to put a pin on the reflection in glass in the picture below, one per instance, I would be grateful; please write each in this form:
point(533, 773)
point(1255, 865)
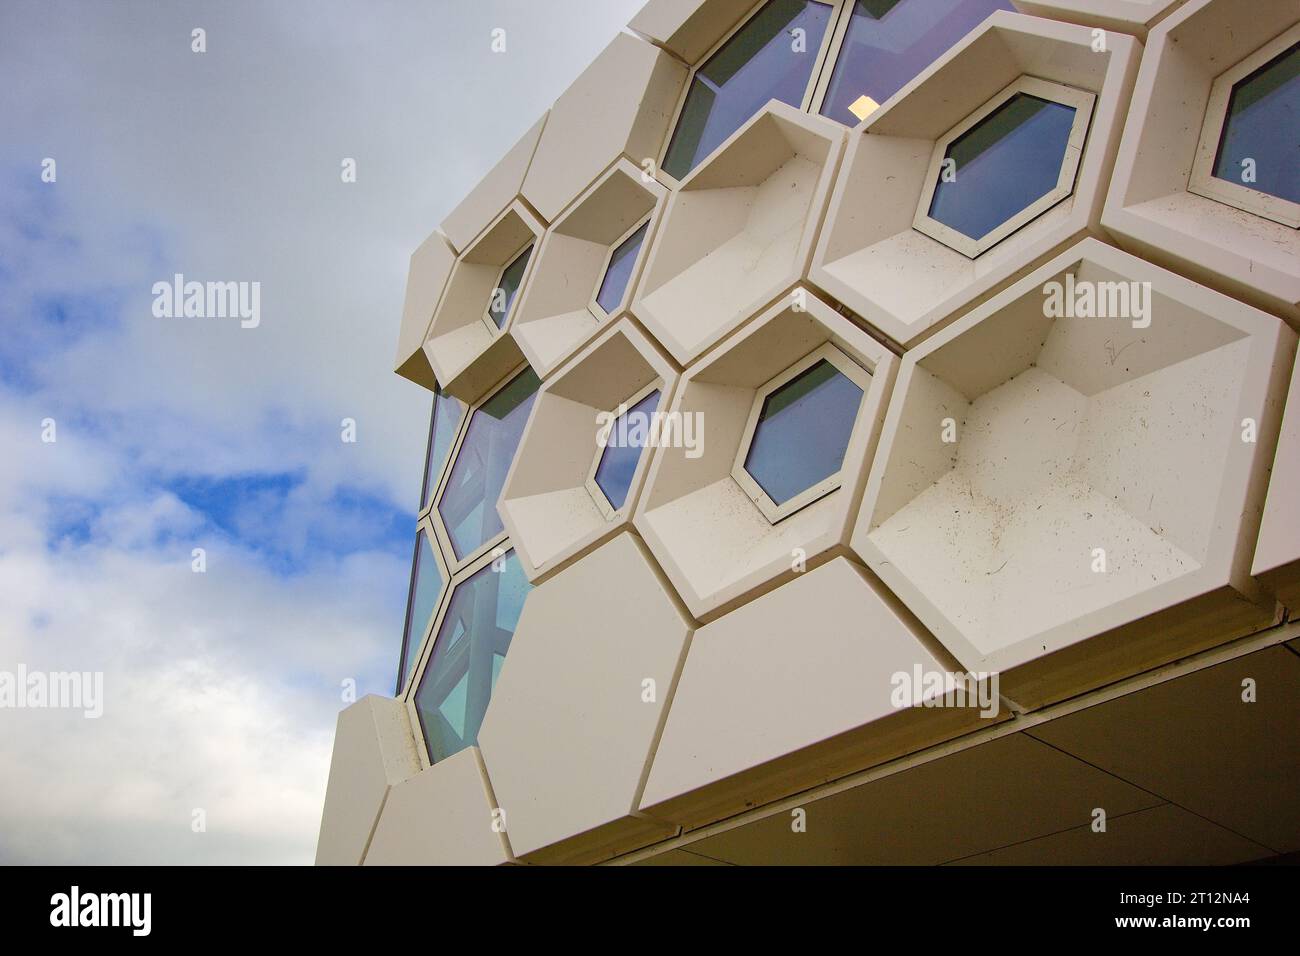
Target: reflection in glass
point(1003, 164)
point(1262, 124)
point(468, 506)
point(623, 450)
point(803, 431)
point(614, 286)
point(445, 419)
point(421, 602)
point(467, 655)
point(891, 41)
point(503, 296)
point(764, 60)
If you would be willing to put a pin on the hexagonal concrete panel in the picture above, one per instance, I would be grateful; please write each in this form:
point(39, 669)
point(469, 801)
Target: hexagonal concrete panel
point(906, 283)
point(374, 750)
point(619, 106)
point(468, 346)
point(556, 502)
point(1154, 208)
point(739, 231)
point(807, 683)
point(1067, 474)
point(494, 192)
point(717, 543)
point(443, 816)
point(1277, 556)
point(689, 28)
point(571, 731)
point(588, 264)
point(1126, 16)
point(431, 265)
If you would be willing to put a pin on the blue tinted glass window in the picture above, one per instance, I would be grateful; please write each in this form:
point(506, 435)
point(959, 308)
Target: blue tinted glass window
point(422, 600)
point(1262, 124)
point(468, 506)
point(802, 431)
point(623, 450)
point(467, 656)
point(764, 60)
point(503, 296)
point(1003, 164)
point(447, 413)
point(614, 285)
point(891, 41)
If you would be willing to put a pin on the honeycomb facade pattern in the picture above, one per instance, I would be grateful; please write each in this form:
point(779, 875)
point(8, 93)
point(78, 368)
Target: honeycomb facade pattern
point(861, 416)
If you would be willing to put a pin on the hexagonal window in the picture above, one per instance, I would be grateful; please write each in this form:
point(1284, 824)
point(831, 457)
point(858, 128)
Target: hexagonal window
point(468, 652)
point(1005, 164)
point(888, 42)
point(467, 505)
point(1246, 156)
point(507, 287)
point(798, 432)
point(618, 270)
point(427, 579)
point(444, 422)
point(620, 450)
point(763, 59)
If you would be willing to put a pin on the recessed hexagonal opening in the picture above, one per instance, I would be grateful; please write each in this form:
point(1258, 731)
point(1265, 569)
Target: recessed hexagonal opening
point(466, 346)
point(474, 632)
point(1246, 156)
point(713, 538)
point(1159, 204)
point(739, 231)
point(587, 266)
point(466, 511)
point(1051, 468)
point(583, 459)
point(908, 267)
point(799, 431)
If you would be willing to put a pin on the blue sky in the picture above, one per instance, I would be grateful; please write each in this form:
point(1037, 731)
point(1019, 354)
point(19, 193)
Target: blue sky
point(174, 434)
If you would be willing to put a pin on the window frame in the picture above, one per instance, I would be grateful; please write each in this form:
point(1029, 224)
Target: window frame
point(1202, 181)
point(425, 524)
point(1082, 101)
point(592, 305)
point(770, 509)
point(426, 652)
point(455, 566)
point(819, 64)
point(827, 71)
point(426, 510)
point(486, 317)
point(603, 504)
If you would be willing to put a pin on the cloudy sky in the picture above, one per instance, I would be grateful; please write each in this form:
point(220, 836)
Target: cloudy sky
point(171, 434)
